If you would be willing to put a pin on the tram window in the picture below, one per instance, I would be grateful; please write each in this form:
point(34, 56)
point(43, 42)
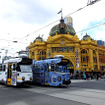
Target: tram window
point(47, 66)
point(0, 67)
point(14, 66)
point(18, 68)
point(38, 65)
point(41, 67)
point(3, 67)
point(52, 67)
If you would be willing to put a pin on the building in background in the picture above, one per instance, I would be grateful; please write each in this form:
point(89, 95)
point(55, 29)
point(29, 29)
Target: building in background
point(101, 43)
point(84, 55)
point(68, 20)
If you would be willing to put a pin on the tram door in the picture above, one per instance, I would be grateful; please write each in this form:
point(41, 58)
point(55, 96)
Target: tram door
point(9, 74)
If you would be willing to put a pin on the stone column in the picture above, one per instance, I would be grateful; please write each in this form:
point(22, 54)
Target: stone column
point(98, 66)
point(36, 55)
point(91, 59)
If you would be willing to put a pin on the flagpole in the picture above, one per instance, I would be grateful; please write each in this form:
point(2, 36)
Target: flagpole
point(61, 14)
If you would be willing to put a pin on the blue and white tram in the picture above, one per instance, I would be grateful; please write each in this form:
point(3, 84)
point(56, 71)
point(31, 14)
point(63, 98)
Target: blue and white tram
point(53, 72)
point(16, 71)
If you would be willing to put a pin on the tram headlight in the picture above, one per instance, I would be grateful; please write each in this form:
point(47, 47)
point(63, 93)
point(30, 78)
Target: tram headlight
point(23, 78)
point(31, 78)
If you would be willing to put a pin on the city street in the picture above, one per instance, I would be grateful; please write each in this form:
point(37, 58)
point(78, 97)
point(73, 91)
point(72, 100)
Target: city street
point(79, 92)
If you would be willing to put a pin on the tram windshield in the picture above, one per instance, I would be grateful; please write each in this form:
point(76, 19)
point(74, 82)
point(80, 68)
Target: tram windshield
point(26, 68)
point(61, 68)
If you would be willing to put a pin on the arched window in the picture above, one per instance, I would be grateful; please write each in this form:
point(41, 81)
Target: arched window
point(83, 51)
point(42, 55)
point(94, 52)
point(43, 52)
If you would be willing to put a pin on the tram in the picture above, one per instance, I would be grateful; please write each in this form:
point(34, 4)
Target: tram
point(16, 71)
point(53, 72)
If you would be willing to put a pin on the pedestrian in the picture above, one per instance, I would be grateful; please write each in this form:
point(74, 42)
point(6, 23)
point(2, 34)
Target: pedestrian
point(97, 76)
point(84, 76)
point(91, 76)
point(87, 76)
point(71, 76)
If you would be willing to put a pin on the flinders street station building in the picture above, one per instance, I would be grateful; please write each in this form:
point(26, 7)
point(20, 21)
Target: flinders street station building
point(85, 55)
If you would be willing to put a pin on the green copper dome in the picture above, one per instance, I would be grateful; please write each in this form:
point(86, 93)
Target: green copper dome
point(39, 39)
point(62, 28)
point(86, 37)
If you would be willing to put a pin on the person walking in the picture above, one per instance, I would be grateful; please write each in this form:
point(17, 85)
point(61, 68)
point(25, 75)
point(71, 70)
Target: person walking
point(97, 76)
point(84, 76)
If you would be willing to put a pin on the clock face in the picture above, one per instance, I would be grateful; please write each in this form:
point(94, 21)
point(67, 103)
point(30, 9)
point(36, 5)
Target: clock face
point(62, 42)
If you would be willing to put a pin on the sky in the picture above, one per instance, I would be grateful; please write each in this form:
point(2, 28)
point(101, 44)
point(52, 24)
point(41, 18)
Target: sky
point(24, 20)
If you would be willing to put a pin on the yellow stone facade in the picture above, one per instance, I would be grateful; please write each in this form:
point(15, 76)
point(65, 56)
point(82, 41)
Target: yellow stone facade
point(84, 55)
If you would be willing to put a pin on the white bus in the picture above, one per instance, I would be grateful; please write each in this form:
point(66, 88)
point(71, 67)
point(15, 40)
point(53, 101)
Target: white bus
point(16, 71)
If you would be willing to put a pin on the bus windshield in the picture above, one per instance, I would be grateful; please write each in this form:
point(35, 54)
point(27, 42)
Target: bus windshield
point(26, 68)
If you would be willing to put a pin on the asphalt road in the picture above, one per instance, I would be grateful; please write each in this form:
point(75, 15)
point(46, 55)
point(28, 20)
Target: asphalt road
point(77, 93)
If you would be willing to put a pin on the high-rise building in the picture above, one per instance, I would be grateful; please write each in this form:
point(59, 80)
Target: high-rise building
point(68, 20)
point(101, 43)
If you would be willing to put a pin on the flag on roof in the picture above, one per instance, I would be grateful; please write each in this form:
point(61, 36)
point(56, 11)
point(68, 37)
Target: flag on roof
point(59, 12)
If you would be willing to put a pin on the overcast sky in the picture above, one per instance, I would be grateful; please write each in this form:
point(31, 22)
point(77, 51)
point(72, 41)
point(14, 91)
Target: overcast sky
point(20, 20)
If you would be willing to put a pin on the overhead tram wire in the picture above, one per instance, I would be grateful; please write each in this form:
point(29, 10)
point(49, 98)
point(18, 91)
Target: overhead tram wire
point(40, 29)
point(13, 41)
point(98, 25)
point(90, 3)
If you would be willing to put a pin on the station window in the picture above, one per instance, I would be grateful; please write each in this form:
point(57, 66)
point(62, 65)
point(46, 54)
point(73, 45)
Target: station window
point(65, 48)
point(62, 49)
point(70, 48)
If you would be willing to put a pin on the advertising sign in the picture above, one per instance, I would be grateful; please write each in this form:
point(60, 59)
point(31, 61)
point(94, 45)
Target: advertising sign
point(77, 59)
point(14, 79)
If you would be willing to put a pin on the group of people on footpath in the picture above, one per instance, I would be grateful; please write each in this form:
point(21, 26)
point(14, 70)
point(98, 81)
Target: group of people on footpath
point(86, 76)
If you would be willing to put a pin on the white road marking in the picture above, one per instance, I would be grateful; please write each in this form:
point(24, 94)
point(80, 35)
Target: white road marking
point(18, 103)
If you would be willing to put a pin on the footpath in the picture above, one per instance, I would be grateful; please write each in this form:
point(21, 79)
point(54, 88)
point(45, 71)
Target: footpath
point(81, 80)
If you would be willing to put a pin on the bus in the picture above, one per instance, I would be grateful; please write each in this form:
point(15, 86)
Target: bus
point(52, 72)
point(16, 71)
